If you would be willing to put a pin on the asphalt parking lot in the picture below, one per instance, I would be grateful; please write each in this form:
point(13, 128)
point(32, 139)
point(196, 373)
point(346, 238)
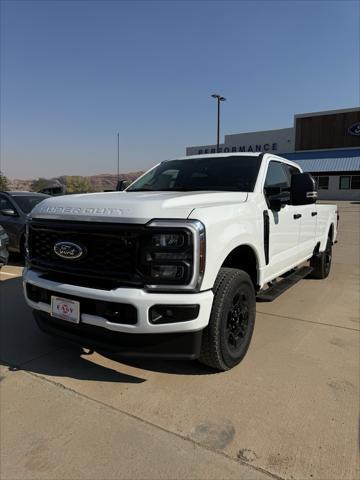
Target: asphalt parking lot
point(289, 410)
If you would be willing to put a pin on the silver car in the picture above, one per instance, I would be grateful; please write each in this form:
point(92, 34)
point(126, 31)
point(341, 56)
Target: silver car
point(4, 241)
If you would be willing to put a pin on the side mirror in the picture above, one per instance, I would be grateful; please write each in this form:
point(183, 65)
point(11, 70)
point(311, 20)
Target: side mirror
point(303, 190)
point(121, 185)
point(278, 201)
point(8, 212)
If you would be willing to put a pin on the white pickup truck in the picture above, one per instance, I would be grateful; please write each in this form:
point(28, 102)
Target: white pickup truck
point(173, 265)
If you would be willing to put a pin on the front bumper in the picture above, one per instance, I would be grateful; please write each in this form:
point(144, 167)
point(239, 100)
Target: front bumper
point(176, 345)
point(140, 299)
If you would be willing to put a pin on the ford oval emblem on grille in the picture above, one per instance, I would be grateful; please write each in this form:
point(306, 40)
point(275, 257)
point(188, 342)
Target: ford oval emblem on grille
point(68, 250)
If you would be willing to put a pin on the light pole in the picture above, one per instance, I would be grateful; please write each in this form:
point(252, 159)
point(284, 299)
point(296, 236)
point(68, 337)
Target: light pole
point(118, 158)
point(219, 98)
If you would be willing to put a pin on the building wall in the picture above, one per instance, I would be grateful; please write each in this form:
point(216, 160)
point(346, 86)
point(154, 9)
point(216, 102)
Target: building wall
point(327, 130)
point(272, 141)
point(334, 193)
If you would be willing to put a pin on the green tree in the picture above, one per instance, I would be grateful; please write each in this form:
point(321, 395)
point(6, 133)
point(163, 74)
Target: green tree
point(4, 182)
point(78, 185)
point(39, 184)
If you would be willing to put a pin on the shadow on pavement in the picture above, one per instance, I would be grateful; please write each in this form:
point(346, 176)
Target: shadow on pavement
point(24, 347)
point(173, 367)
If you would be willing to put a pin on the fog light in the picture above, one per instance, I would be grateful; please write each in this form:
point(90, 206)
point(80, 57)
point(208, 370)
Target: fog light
point(159, 314)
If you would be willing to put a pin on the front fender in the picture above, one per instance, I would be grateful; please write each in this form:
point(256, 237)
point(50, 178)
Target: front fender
point(226, 229)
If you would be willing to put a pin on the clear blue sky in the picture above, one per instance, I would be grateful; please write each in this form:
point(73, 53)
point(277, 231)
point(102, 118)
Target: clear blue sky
point(76, 72)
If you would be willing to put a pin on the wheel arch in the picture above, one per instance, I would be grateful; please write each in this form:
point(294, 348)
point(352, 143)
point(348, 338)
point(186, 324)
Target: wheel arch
point(244, 257)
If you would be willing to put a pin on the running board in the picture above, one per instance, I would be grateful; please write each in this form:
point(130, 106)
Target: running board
point(282, 285)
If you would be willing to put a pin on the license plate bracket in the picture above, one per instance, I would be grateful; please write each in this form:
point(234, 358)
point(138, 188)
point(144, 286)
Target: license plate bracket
point(65, 309)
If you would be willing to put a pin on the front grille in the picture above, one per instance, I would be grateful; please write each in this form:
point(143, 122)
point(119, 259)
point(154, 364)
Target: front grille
point(112, 250)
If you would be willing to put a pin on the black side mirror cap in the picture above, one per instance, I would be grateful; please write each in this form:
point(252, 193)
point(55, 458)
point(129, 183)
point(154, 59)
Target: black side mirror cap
point(275, 204)
point(278, 201)
point(303, 190)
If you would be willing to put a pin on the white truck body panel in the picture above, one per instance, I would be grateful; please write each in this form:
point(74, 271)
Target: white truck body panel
point(231, 220)
point(133, 207)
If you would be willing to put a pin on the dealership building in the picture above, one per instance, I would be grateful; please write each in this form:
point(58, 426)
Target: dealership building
point(326, 144)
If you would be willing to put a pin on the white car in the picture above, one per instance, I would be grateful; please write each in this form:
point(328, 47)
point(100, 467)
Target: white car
point(173, 265)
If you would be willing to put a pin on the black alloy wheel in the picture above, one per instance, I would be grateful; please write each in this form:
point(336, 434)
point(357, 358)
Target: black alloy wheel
point(227, 337)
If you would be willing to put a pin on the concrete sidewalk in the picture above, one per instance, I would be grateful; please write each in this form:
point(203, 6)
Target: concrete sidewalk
point(49, 432)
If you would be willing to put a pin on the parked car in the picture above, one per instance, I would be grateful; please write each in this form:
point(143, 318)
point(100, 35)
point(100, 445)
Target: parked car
point(4, 241)
point(173, 265)
point(14, 208)
point(54, 190)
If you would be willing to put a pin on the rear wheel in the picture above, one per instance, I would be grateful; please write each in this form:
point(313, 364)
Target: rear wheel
point(227, 337)
point(321, 262)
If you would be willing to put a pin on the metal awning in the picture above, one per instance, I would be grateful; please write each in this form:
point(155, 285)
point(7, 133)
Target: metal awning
point(342, 164)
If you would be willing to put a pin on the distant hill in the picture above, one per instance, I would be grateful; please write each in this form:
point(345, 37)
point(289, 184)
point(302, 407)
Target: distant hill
point(99, 183)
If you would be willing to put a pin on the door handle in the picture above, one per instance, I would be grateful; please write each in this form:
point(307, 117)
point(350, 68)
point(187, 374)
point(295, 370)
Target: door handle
point(313, 214)
point(297, 215)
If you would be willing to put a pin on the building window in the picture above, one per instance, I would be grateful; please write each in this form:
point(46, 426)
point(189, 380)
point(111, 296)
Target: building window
point(348, 182)
point(355, 182)
point(344, 183)
point(322, 182)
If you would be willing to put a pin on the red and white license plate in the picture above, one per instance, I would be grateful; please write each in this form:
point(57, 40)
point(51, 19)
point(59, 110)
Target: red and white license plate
point(65, 309)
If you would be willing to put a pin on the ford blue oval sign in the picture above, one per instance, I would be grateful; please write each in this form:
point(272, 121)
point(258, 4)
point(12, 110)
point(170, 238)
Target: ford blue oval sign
point(68, 250)
point(354, 129)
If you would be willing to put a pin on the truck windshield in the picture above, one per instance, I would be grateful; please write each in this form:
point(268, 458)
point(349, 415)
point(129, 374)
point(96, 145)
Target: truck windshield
point(230, 174)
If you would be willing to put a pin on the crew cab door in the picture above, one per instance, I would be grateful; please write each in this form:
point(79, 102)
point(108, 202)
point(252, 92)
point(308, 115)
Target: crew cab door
point(284, 225)
point(307, 216)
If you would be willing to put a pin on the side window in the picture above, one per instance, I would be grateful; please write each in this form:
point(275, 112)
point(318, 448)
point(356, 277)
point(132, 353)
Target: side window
point(5, 204)
point(277, 180)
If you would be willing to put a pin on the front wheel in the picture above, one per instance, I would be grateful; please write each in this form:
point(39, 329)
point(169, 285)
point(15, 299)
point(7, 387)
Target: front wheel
point(227, 337)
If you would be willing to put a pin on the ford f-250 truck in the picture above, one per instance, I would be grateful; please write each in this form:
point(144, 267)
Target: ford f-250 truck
point(173, 265)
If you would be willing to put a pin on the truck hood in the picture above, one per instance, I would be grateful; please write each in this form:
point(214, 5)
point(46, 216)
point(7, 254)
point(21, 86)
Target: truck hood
point(131, 207)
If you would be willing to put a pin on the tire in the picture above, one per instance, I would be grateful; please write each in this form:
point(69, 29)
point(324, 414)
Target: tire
point(227, 337)
point(321, 262)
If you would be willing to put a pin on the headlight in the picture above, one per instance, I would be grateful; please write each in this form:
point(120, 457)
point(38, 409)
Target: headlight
point(168, 240)
point(173, 255)
point(167, 272)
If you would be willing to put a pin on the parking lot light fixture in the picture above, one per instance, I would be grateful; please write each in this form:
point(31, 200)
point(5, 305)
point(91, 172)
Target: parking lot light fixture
point(219, 98)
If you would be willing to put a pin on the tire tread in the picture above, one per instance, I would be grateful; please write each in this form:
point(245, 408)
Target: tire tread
point(211, 347)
